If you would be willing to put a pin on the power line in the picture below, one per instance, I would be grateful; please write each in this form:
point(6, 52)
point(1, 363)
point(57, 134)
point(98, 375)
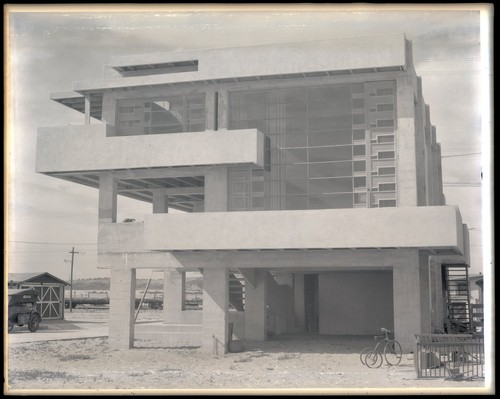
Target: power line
point(54, 243)
point(35, 252)
point(43, 252)
point(446, 59)
point(461, 155)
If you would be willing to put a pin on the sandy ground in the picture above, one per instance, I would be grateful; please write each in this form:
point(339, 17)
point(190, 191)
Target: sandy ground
point(293, 365)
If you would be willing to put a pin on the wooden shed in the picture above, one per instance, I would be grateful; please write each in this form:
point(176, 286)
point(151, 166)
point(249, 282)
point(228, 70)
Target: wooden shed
point(50, 292)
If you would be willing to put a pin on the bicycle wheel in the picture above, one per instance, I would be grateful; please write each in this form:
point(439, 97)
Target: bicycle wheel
point(373, 360)
point(393, 353)
point(363, 354)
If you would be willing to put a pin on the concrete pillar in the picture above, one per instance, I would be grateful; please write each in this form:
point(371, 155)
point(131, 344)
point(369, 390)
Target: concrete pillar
point(215, 308)
point(255, 307)
point(222, 109)
point(407, 303)
point(87, 109)
point(160, 201)
point(299, 304)
point(107, 198)
point(436, 287)
point(109, 109)
point(122, 309)
point(216, 280)
point(406, 163)
point(198, 206)
point(216, 190)
point(211, 104)
point(173, 295)
point(425, 292)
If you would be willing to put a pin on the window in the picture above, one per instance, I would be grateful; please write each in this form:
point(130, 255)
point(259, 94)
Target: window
point(359, 166)
point(385, 123)
point(385, 139)
point(358, 103)
point(360, 182)
point(387, 171)
point(387, 187)
point(359, 150)
point(385, 107)
point(360, 198)
point(358, 119)
point(386, 155)
point(358, 134)
point(386, 203)
point(385, 92)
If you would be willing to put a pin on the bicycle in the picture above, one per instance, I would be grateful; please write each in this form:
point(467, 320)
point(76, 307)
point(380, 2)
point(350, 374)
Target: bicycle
point(373, 357)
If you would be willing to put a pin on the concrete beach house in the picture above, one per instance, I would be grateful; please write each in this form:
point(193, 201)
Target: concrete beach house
point(309, 180)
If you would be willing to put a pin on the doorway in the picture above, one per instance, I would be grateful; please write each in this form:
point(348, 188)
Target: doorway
point(311, 302)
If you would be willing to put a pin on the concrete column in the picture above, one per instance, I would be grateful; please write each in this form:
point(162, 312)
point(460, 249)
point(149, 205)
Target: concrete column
point(109, 109)
point(407, 304)
point(173, 295)
point(436, 286)
point(299, 304)
point(211, 104)
point(255, 307)
point(425, 292)
point(87, 109)
point(198, 206)
point(122, 309)
point(222, 109)
point(406, 164)
point(216, 190)
point(107, 198)
point(215, 309)
point(160, 201)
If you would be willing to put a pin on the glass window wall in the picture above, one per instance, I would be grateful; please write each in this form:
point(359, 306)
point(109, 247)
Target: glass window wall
point(172, 114)
point(318, 145)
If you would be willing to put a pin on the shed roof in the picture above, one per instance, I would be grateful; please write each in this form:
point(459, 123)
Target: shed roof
point(35, 277)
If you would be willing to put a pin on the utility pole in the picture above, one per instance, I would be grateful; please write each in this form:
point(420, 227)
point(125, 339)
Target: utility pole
point(72, 252)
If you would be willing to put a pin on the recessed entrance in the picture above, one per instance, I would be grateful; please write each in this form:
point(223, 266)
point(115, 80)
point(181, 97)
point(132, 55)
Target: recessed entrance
point(311, 303)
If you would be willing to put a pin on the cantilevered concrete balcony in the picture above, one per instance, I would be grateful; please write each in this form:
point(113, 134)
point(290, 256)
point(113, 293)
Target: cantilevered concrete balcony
point(436, 229)
point(93, 147)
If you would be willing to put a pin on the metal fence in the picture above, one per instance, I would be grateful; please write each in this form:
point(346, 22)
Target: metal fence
point(451, 356)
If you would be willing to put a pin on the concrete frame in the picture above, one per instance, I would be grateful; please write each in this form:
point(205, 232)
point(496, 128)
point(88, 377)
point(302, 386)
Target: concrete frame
point(273, 250)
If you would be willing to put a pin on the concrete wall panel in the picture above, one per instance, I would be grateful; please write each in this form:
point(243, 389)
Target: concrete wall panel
point(355, 303)
point(436, 227)
point(87, 148)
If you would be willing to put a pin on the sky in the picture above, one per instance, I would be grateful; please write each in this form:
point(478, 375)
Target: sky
point(50, 47)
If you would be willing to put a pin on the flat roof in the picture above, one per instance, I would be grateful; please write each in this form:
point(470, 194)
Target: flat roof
point(334, 56)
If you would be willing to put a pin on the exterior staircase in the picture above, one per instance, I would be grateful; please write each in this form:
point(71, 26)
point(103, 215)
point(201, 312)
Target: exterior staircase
point(236, 291)
point(456, 279)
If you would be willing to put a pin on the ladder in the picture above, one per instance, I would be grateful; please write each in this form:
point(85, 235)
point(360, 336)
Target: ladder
point(456, 278)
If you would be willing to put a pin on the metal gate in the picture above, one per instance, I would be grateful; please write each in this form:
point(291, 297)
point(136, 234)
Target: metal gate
point(50, 300)
point(453, 356)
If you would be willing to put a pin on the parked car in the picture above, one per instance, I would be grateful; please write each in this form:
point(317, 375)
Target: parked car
point(22, 309)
